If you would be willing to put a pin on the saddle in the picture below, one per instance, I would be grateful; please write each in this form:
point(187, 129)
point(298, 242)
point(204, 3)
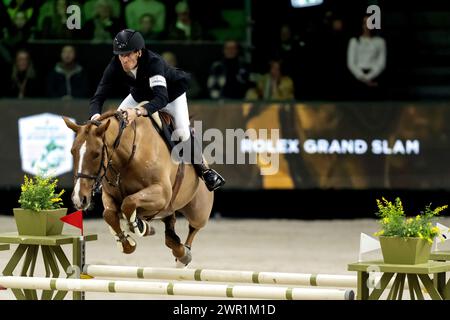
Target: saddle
point(164, 125)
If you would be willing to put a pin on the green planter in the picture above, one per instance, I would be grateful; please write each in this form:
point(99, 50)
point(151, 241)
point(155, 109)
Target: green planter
point(398, 250)
point(42, 223)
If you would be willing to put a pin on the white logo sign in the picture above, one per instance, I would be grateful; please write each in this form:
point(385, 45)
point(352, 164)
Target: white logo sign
point(305, 3)
point(45, 144)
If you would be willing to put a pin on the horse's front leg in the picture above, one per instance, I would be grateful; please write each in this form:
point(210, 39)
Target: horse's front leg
point(154, 199)
point(111, 214)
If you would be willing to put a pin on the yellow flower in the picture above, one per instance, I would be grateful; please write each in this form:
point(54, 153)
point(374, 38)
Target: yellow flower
point(55, 199)
point(379, 233)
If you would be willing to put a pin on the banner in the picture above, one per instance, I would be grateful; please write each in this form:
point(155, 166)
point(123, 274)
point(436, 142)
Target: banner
point(283, 146)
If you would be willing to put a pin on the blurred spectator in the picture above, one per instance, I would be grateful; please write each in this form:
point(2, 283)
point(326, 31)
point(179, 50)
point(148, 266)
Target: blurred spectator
point(194, 89)
point(366, 59)
point(229, 77)
point(68, 79)
point(287, 48)
point(54, 21)
point(17, 35)
point(28, 7)
point(294, 51)
point(103, 26)
point(24, 82)
point(332, 56)
point(184, 28)
point(89, 9)
point(135, 9)
point(147, 27)
point(273, 85)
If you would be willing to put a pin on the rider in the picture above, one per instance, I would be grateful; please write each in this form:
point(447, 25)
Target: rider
point(151, 79)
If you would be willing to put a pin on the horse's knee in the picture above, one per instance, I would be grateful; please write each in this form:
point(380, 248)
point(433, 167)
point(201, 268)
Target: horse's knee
point(128, 205)
point(110, 217)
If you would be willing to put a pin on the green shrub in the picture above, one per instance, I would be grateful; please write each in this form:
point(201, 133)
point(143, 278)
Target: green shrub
point(40, 194)
point(394, 223)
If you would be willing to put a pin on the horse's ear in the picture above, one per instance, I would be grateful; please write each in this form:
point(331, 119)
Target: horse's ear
point(102, 128)
point(71, 125)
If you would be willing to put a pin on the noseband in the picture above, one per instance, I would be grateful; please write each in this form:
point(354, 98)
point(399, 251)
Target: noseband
point(96, 188)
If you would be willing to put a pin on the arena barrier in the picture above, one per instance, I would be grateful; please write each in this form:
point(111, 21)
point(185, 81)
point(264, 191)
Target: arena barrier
point(176, 288)
point(279, 278)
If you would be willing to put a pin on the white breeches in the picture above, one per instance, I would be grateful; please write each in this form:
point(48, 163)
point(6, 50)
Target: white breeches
point(178, 109)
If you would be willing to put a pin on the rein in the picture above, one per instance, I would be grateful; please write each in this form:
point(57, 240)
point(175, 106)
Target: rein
point(96, 188)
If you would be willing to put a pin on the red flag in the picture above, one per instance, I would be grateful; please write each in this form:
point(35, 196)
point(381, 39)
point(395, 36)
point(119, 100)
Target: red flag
point(75, 219)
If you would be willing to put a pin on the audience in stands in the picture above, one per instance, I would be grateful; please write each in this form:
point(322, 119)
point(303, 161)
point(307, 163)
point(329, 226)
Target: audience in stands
point(135, 9)
point(68, 79)
point(332, 58)
point(28, 7)
point(103, 26)
point(366, 60)
point(229, 77)
point(147, 27)
point(17, 35)
point(194, 90)
point(23, 82)
point(89, 9)
point(184, 27)
point(273, 85)
point(54, 22)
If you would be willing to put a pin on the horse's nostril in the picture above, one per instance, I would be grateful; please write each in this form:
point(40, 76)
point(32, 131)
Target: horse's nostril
point(84, 200)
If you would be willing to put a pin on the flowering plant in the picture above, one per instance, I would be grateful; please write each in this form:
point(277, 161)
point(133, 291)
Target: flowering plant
point(40, 194)
point(394, 223)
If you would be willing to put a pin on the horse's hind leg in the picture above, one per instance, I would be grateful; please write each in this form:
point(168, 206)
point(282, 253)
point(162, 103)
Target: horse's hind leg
point(180, 252)
point(192, 232)
point(111, 215)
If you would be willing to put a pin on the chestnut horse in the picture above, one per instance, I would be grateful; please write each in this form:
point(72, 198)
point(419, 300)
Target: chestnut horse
point(139, 181)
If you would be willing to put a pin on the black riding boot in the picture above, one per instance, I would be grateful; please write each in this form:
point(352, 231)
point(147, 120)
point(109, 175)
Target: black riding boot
point(213, 180)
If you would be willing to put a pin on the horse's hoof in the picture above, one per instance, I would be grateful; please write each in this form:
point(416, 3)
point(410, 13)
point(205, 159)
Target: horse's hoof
point(180, 265)
point(128, 248)
point(183, 261)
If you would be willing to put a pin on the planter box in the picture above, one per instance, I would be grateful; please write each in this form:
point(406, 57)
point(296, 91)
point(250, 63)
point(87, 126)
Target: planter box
point(397, 250)
point(42, 223)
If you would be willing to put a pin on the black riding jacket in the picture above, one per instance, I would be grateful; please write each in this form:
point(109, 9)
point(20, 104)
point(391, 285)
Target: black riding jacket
point(156, 82)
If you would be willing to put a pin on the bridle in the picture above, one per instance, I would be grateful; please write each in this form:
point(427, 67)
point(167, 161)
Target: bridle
point(96, 188)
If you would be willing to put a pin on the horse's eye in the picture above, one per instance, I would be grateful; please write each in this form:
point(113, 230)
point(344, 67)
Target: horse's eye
point(95, 155)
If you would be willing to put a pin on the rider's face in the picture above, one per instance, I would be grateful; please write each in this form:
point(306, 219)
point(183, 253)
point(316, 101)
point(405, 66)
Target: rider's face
point(129, 61)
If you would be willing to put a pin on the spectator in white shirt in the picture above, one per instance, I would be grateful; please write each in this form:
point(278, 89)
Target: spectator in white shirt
point(366, 57)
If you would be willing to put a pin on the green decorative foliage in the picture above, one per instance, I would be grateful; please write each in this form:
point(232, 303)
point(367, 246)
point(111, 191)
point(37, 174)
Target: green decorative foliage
point(394, 223)
point(40, 194)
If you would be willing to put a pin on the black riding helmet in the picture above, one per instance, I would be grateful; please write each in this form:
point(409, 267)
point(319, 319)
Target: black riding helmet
point(127, 41)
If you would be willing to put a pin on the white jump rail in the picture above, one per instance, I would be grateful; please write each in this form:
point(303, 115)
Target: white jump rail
point(176, 288)
point(278, 278)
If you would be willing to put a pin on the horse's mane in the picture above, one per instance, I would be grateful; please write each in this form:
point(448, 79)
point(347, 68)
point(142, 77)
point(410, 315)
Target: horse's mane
point(107, 114)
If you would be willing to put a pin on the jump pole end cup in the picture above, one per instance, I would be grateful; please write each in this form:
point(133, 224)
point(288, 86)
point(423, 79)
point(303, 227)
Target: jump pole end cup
point(349, 295)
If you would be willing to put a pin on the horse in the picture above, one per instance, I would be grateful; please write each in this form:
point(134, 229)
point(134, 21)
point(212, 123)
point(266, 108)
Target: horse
point(139, 181)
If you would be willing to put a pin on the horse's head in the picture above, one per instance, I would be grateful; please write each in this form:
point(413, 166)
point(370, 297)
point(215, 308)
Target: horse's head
point(87, 152)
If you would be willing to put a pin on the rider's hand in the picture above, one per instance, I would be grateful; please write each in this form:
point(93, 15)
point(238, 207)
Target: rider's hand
point(95, 116)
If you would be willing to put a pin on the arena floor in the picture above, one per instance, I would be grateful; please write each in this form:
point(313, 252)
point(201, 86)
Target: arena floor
point(319, 246)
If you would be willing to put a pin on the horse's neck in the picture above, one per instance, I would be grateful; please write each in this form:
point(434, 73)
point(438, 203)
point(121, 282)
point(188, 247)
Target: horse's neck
point(146, 137)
